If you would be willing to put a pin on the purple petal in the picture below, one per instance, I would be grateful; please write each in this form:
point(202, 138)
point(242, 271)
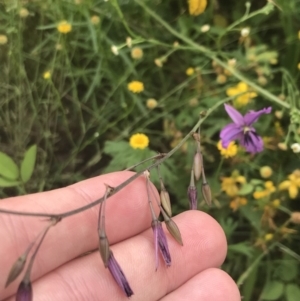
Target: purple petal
point(24, 292)
point(229, 133)
point(236, 116)
point(253, 116)
point(161, 240)
point(119, 275)
point(252, 142)
point(192, 195)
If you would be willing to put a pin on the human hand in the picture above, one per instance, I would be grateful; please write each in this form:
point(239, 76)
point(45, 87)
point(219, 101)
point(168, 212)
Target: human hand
point(60, 273)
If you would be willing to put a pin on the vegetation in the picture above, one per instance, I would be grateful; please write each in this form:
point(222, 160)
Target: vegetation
point(81, 78)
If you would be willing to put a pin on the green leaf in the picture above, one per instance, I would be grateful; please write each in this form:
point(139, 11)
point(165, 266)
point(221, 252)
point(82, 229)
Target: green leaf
point(8, 183)
point(8, 168)
point(292, 292)
point(246, 189)
point(241, 248)
point(273, 290)
point(288, 270)
point(27, 165)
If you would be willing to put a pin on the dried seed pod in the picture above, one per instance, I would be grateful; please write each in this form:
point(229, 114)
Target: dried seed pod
point(206, 192)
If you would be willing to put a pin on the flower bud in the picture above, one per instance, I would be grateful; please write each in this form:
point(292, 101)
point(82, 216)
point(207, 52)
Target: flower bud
point(206, 192)
point(172, 228)
point(24, 292)
point(197, 165)
point(104, 247)
point(16, 269)
point(192, 193)
point(165, 199)
point(295, 217)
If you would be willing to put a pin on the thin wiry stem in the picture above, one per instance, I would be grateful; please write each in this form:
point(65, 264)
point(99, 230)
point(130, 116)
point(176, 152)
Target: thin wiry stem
point(116, 189)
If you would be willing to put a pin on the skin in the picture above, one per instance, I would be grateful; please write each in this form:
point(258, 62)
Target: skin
point(61, 273)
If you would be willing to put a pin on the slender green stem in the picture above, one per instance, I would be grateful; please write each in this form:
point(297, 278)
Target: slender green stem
point(128, 181)
point(213, 56)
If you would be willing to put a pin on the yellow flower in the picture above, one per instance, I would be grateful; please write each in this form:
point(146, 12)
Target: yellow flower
point(197, 7)
point(266, 171)
point(47, 75)
point(237, 202)
point(137, 53)
point(190, 71)
point(221, 79)
point(269, 236)
point(151, 103)
point(228, 152)
point(298, 66)
point(138, 140)
point(64, 27)
point(230, 184)
point(135, 86)
point(244, 98)
point(95, 19)
point(269, 189)
point(23, 12)
point(3, 39)
point(276, 203)
point(292, 184)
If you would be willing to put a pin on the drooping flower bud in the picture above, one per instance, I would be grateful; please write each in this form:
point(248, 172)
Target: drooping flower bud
point(104, 247)
point(24, 292)
point(160, 241)
point(192, 193)
point(172, 227)
point(119, 275)
point(197, 165)
point(206, 192)
point(165, 199)
point(16, 269)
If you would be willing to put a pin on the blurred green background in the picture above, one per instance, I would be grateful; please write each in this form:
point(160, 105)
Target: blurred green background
point(67, 111)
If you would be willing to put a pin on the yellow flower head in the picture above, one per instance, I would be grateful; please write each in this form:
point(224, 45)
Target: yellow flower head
point(244, 98)
point(230, 184)
point(197, 7)
point(228, 152)
point(95, 19)
point(47, 75)
point(23, 12)
point(137, 53)
point(138, 140)
point(269, 189)
point(64, 27)
point(237, 202)
point(269, 236)
point(292, 184)
point(266, 172)
point(135, 86)
point(151, 103)
point(3, 39)
point(190, 71)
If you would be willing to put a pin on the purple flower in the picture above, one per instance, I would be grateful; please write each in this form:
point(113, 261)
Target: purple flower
point(160, 241)
point(24, 292)
point(241, 129)
point(118, 275)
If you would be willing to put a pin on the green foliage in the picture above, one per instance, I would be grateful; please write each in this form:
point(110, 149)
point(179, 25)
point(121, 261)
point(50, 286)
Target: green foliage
point(67, 95)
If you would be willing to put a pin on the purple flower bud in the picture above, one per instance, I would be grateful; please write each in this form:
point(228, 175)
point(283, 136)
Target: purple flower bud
point(192, 193)
point(160, 241)
point(118, 275)
point(24, 292)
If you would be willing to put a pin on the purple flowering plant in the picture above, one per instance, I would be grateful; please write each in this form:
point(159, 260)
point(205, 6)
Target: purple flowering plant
point(242, 129)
